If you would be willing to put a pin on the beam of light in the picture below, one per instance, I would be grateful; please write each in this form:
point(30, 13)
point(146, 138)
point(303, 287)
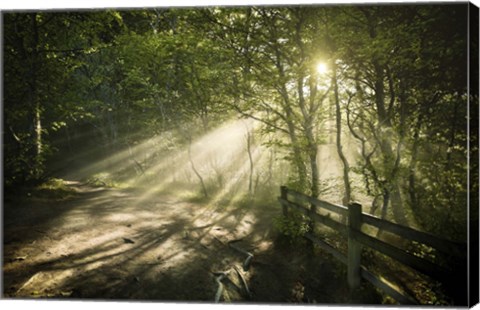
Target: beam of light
point(219, 146)
point(238, 179)
point(117, 160)
point(224, 148)
point(221, 152)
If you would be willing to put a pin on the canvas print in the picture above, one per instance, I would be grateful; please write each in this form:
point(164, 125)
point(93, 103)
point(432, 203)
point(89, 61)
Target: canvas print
point(295, 154)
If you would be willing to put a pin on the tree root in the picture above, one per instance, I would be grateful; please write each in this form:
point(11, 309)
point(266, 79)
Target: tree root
point(243, 281)
point(218, 279)
point(220, 276)
point(246, 263)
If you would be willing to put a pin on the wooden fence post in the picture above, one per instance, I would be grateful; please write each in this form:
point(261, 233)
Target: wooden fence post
point(283, 195)
point(354, 247)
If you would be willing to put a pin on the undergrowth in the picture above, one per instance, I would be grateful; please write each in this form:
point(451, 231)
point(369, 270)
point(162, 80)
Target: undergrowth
point(103, 179)
point(293, 227)
point(53, 188)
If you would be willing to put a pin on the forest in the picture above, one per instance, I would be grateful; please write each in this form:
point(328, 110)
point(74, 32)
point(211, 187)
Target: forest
point(144, 150)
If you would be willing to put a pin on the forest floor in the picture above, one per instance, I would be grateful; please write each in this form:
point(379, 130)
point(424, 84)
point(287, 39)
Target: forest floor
point(107, 244)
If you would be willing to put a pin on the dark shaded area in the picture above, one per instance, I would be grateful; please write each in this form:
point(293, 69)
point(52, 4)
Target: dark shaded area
point(115, 269)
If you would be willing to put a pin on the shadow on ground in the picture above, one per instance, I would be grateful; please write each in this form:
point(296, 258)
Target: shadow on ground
point(108, 244)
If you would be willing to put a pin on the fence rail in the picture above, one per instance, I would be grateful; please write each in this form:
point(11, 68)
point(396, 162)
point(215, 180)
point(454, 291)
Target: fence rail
point(357, 239)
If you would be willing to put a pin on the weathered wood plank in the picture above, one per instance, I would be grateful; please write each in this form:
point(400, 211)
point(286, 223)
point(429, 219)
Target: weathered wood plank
point(398, 296)
point(408, 259)
point(339, 227)
point(327, 247)
point(391, 291)
point(319, 203)
point(443, 245)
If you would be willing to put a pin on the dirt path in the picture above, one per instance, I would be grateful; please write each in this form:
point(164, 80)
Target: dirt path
point(105, 244)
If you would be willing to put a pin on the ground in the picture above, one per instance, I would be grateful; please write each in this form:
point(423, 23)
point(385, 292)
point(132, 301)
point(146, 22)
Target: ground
point(110, 243)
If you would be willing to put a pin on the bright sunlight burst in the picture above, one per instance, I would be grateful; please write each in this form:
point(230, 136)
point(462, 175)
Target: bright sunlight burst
point(322, 68)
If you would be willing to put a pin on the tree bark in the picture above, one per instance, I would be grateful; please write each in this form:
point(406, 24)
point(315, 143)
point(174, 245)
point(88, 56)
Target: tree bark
point(384, 126)
point(35, 101)
point(338, 118)
point(297, 151)
point(199, 176)
point(249, 140)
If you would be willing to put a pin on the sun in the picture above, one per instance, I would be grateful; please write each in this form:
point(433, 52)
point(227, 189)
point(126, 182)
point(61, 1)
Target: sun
point(322, 68)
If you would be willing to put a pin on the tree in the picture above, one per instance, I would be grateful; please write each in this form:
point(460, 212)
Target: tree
point(40, 62)
point(402, 92)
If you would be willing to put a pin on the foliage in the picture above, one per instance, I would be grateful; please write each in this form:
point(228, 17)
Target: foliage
point(102, 179)
point(293, 227)
point(111, 80)
point(53, 188)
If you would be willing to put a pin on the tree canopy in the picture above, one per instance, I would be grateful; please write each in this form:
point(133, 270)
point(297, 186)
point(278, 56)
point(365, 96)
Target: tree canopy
point(393, 81)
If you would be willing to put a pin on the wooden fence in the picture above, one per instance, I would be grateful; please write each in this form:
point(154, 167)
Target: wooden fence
point(357, 239)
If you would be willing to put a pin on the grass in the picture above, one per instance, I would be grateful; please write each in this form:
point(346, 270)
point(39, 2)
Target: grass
point(104, 179)
point(53, 188)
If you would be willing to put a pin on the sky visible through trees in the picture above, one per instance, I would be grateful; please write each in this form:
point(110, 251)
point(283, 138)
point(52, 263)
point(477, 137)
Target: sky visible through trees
point(222, 105)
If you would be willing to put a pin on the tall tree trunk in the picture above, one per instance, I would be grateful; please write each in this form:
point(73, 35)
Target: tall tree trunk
point(249, 140)
point(384, 122)
point(387, 149)
point(297, 151)
point(398, 209)
point(312, 148)
point(386, 200)
point(35, 101)
point(346, 166)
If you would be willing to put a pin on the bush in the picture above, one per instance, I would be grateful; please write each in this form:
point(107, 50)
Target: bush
point(53, 188)
point(102, 180)
point(293, 227)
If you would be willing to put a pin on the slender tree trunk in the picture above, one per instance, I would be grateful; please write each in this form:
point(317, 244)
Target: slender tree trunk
point(199, 176)
point(297, 151)
point(314, 188)
point(384, 122)
point(412, 183)
point(386, 201)
point(312, 148)
point(249, 139)
point(298, 160)
point(35, 101)
point(38, 132)
point(315, 173)
point(346, 166)
point(398, 209)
